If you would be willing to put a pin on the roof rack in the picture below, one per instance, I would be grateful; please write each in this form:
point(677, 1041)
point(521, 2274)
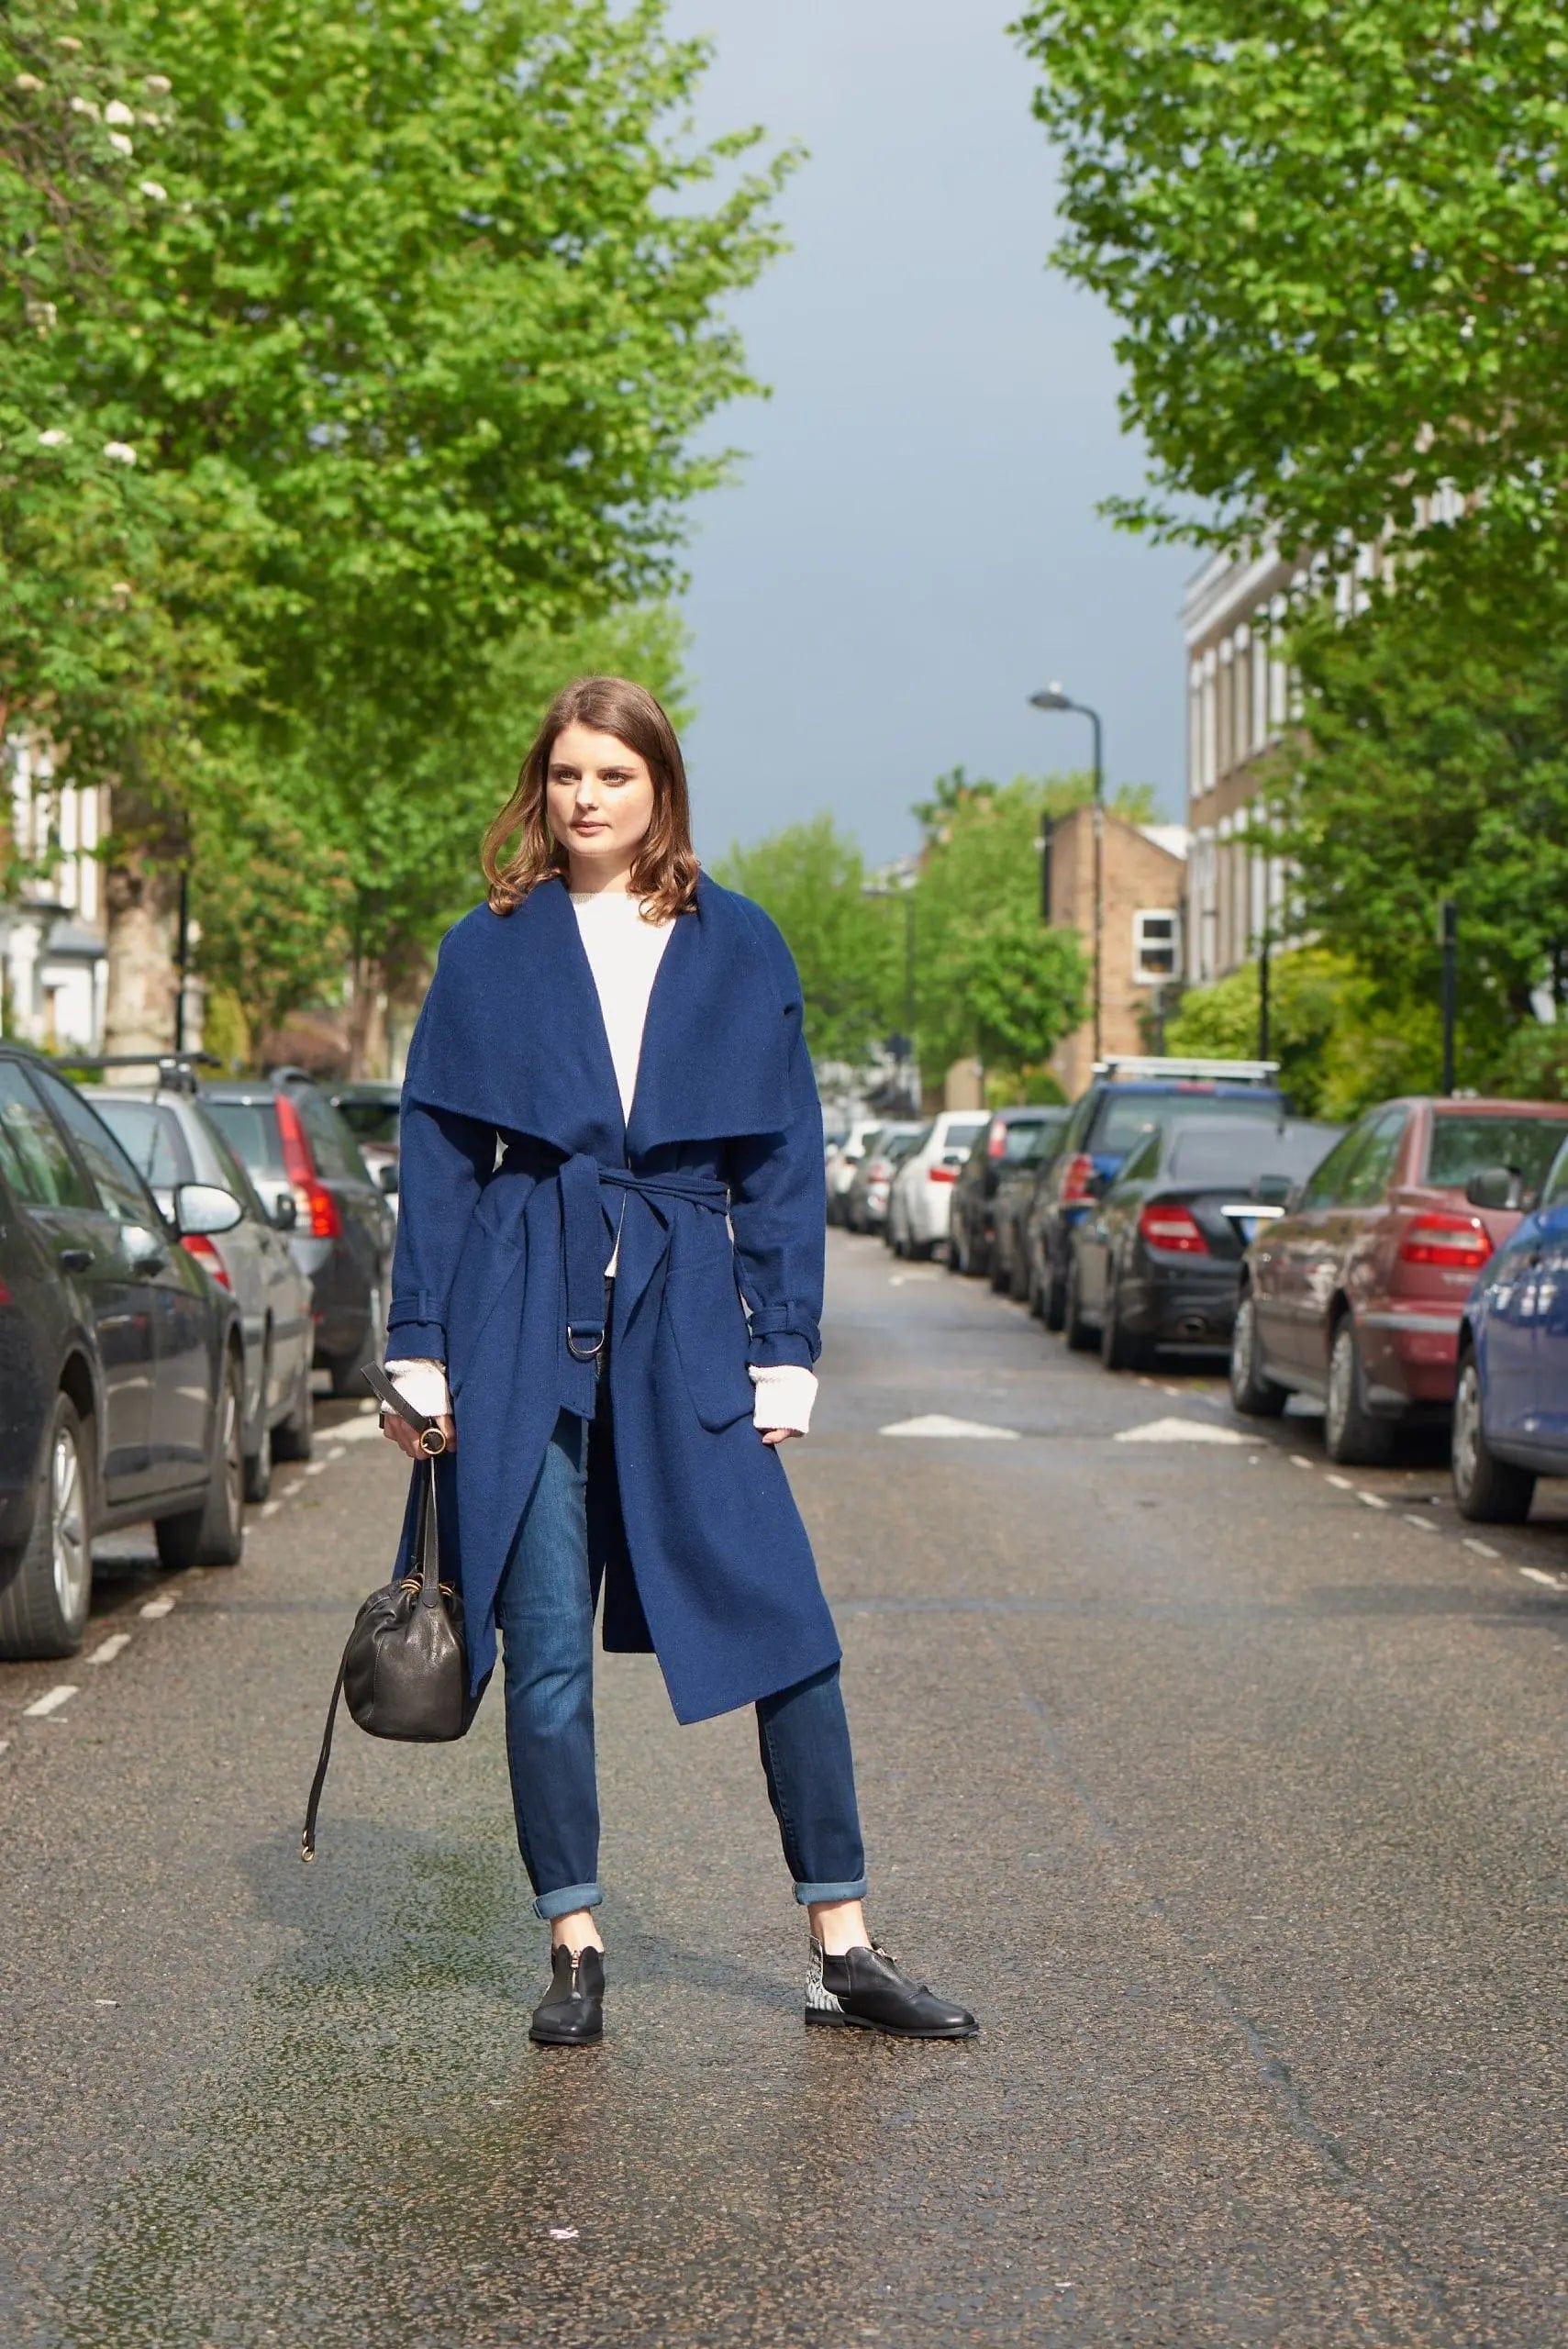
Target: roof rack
point(176, 1071)
point(1133, 1065)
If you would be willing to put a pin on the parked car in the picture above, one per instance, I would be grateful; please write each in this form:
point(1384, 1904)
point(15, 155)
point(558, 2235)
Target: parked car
point(120, 1366)
point(289, 1138)
point(1510, 1405)
point(865, 1202)
point(1011, 1138)
point(921, 1192)
point(1157, 1261)
point(170, 1138)
point(843, 1163)
point(1127, 1099)
point(1015, 1180)
point(1356, 1294)
point(371, 1109)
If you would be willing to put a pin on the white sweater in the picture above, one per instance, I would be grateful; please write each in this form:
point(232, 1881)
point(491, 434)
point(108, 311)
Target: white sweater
point(624, 952)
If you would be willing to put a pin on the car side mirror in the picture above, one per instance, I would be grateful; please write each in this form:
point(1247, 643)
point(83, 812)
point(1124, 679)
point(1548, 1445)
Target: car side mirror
point(1495, 1186)
point(286, 1211)
point(205, 1208)
point(1273, 1190)
point(386, 1175)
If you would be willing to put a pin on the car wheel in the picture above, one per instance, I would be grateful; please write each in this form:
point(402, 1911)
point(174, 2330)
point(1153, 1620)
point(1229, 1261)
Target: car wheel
point(345, 1369)
point(1251, 1394)
point(1351, 1434)
point(1119, 1350)
point(258, 1459)
point(958, 1250)
point(1054, 1311)
point(44, 1607)
point(294, 1438)
point(1001, 1269)
point(214, 1535)
point(1082, 1336)
point(1018, 1278)
point(1489, 1491)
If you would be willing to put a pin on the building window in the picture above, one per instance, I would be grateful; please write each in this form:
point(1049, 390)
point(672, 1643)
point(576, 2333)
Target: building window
point(1156, 934)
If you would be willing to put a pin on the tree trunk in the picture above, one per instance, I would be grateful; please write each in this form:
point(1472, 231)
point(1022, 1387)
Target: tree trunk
point(141, 895)
point(367, 1016)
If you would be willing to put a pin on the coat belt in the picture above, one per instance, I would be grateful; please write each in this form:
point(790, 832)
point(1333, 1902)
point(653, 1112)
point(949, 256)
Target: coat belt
point(582, 1181)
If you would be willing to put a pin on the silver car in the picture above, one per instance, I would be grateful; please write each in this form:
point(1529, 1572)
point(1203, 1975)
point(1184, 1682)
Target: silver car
point(170, 1139)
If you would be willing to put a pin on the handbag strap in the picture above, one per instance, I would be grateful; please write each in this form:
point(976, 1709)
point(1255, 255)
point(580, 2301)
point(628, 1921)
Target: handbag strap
point(308, 1840)
point(429, 1431)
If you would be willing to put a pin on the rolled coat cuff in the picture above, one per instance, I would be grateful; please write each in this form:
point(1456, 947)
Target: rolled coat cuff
point(423, 1384)
point(782, 1334)
point(784, 1395)
point(415, 1340)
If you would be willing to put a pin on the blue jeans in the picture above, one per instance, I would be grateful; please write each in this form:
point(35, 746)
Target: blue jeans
point(544, 1612)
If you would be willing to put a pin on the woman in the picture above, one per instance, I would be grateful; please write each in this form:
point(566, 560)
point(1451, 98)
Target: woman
point(611, 1136)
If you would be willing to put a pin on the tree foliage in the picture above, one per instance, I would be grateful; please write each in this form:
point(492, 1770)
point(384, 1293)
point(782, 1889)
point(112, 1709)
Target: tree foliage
point(1333, 239)
point(847, 947)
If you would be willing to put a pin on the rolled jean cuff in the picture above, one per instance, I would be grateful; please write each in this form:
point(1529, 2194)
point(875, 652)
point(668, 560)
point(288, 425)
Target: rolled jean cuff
point(551, 1905)
point(807, 1892)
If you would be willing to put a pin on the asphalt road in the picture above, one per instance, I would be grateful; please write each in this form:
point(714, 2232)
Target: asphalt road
point(1229, 1793)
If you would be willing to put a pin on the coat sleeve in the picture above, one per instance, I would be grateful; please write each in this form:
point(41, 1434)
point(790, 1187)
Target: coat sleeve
point(778, 1209)
point(443, 1160)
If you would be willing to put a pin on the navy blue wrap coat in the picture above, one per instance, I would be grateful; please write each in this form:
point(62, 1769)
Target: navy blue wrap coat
point(516, 1172)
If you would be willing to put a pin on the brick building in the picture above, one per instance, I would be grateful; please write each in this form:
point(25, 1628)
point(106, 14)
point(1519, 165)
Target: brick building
point(1143, 886)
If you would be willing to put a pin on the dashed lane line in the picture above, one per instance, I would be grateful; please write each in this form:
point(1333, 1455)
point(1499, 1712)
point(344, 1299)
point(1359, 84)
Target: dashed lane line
point(157, 1607)
point(316, 1468)
point(106, 1650)
point(1340, 1484)
point(1539, 1573)
point(1421, 1524)
point(269, 1509)
point(1373, 1500)
point(50, 1702)
point(1482, 1549)
point(1300, 1460)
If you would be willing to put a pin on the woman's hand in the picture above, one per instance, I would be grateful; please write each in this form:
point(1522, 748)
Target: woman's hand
point(406, 1439)
point(778, 1435)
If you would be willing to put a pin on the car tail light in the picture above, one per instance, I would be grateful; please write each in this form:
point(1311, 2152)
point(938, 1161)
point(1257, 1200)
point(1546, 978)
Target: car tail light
point(1076, 1177)
point(942, 1173)
point(1173, 1227)
point(197, 1244)
point(996, 1138)
point(1460, 1242)
point(317, 1208)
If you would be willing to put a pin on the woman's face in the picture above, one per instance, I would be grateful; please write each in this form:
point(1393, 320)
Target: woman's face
point(599, 801)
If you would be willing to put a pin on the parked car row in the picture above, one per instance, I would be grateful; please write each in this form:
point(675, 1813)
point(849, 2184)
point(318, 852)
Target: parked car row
point(174, 1260)
point(1412, 1270)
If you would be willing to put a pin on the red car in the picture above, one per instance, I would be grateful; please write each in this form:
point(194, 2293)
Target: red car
point(1354, 1294)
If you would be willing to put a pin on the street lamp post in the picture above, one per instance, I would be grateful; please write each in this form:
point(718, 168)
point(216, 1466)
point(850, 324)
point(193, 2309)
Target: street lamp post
point(1054, 698)
point(905, 889)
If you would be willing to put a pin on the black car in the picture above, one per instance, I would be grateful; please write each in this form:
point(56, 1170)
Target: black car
point(1157, 1261)
point(1128, 1099)
point(1015, 1187)
point(289, 1138)
point(120, 1376)
point(1012, 1137)
point(371, 1109)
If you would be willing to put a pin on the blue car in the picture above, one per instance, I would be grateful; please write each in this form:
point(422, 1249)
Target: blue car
point(1510, 1410)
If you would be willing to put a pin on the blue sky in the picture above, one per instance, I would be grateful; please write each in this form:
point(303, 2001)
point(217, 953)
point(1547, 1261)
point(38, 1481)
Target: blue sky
point(911, 545)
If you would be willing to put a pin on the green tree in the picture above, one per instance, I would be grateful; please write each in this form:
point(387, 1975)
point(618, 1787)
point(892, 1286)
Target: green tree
point(847, 947)
point(1333, 241)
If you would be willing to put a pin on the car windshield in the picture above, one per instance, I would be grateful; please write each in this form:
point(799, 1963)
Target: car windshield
point(1020, 1139)
point(1125, 1117)
point(1461, 1146)
point(369, 1119)
point(250, 1129)
point(150, 1138)
point(1237, 1151)
point(963, 1136)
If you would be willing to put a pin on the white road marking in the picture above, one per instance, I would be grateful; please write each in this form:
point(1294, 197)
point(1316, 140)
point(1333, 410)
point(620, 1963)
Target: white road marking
point(1482, 1549)
point(50, 1702)
point(289, 1490)
point(1373, 1500)
point(1180, 1431)
point(356, 1431)
point(106, 1651)
point(315, 1467)
point(938, 1424)
point(1422, 1524)
point(157, 1607)
point(5, 1745)
point(269, 1509)
point(336, 1453)
point(1539, 1573)
point(1340, 1484)
point(1299, 1460)
point(1176, 1391)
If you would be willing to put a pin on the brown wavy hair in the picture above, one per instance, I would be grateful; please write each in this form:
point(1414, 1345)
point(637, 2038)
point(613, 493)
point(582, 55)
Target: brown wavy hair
point(519, 851)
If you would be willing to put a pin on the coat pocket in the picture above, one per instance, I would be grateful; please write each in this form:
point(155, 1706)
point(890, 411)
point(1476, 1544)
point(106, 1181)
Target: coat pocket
point(709, 1325)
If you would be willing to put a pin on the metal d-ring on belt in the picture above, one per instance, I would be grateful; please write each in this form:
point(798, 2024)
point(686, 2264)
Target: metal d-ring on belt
point(581, 1179)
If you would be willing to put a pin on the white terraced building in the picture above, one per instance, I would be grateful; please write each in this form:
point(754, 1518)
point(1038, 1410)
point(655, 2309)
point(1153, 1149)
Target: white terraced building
point(53, 962)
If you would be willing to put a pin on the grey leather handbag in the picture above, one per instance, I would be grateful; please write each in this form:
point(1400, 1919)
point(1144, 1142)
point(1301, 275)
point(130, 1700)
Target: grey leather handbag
point(405, 1669)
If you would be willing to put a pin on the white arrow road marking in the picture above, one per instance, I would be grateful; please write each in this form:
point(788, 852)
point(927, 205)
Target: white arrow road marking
point(938, 1423)
point(50, 1702)
point(1181, 1432)
point(106, 1650)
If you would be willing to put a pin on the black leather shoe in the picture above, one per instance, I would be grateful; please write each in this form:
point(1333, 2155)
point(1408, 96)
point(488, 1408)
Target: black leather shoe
point(573, 2012)
point(863, 1990)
